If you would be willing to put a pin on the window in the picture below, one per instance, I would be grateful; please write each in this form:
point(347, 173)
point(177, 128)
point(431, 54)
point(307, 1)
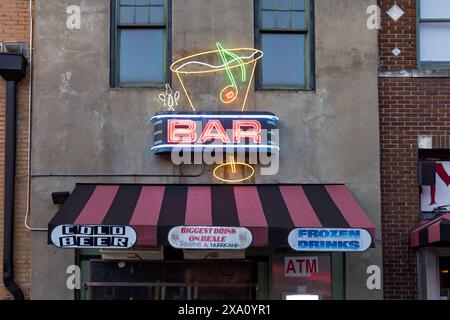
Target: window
point(139, 43)
point(164, 280)
point(434, 173)
point(285, 33)
point(434, 33)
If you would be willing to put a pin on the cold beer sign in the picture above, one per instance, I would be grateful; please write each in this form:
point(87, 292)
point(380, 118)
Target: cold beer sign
point(93, 236)
point(197, 132)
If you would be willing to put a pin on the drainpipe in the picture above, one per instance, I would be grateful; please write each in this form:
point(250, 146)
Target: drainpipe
point(12, 70)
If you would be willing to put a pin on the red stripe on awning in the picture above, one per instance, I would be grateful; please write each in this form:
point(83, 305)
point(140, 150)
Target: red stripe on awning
point(198, 207)
point(98, 205)
point(350, 209)
point(434, 233)
point(251, 214)
point(414, 242)
point(146, 214)
point(300, 210)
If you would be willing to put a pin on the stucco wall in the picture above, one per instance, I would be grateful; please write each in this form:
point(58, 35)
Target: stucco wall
point(80, 125)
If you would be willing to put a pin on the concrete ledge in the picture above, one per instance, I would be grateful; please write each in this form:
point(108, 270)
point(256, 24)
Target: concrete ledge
point(416, 73)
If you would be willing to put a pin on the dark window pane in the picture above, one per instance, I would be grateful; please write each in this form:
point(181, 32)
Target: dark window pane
point(269, 4)
point(298, 20)
point(142, 2)
point(157, 2)
point(283, 20)
point(268, 19)
point(283, 62)
point(142, 15)
point(127, 2)
point(126, 14)
point(156, 15)
point(284, 4)
point(141, 56)
point(298, 4)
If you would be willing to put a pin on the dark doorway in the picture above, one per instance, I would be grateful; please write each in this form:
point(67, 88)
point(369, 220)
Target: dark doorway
point(444, 277)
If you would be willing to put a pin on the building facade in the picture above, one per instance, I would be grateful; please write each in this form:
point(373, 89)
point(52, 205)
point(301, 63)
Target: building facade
point(104, 125)
point(15, 36)
point(414, 101)
point(99, 99)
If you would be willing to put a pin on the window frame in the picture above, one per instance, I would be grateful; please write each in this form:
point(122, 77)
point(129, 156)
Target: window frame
point(309, 32)
point(427, 64)
point(115, 47)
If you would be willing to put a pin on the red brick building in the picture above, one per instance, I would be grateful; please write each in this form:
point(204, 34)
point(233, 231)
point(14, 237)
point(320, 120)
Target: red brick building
point(15, 26)
point(414, 93)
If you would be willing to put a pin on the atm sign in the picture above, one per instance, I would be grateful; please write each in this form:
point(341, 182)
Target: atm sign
point(301, 266)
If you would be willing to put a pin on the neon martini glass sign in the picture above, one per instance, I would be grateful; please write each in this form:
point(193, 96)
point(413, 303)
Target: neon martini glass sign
point(230, 72)
point(225, 61)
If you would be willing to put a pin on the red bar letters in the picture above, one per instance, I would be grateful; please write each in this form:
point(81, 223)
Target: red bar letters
point(184, 131)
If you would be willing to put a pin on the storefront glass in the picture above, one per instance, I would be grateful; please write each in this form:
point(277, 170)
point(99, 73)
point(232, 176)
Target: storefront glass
point(306, 277)
point(444, 277)
point(174, 280)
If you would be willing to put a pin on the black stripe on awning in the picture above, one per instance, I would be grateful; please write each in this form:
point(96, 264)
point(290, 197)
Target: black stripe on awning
point(423, 236)
point(122, 208)
point(223, 203)
point(277, 214)
point(73, 205)
point(325, 208)
point(173, 210)
point(445, 231)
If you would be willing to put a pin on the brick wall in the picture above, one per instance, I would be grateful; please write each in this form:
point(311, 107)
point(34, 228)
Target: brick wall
point(411, 104)
point(14, 25)
point(399, 34)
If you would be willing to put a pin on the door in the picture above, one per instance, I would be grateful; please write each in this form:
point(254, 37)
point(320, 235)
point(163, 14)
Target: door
point(444, 277)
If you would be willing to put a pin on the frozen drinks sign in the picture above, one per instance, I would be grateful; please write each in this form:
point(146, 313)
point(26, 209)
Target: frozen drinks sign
point(343, 240)
point(214, 238)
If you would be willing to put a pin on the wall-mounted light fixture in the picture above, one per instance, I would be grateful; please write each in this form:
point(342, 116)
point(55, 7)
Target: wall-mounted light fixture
point(60, 197)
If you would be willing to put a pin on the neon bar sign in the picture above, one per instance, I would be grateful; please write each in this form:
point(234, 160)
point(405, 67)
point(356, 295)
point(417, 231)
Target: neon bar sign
point(214, 130)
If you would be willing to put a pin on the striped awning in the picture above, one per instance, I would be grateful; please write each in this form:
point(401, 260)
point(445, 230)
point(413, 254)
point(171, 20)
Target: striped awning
point(270, 212)
point(435, 233)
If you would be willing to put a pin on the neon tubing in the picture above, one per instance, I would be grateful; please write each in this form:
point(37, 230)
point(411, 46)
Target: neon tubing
point(173, 68)
point(219, 116)
point(217, 146)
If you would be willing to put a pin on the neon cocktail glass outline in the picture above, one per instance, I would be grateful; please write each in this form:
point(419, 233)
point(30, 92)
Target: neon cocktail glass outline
point(181, 67)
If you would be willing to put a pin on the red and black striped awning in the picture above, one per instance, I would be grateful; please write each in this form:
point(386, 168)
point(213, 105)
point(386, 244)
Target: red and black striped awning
point(435, 233)
point(270, 212)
